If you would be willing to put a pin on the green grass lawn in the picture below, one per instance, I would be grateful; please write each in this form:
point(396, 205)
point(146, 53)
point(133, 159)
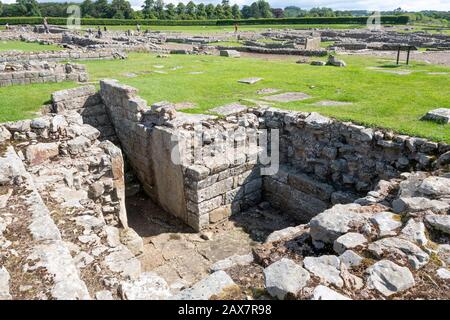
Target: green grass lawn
point(227, 43)
point(379, 99)
point(326, 44)
point(215, 29)
point(26, 46)
point(427, 28)
point(19, 102)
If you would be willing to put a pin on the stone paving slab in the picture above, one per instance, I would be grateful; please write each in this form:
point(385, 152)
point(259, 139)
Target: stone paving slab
point(288, 97)
point(250, 80)
point(441, 115)
point(268, 91)
point(230, 53)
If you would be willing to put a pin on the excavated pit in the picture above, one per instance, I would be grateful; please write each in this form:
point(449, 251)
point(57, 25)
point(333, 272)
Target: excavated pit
point(183, 256)
point(197, 205)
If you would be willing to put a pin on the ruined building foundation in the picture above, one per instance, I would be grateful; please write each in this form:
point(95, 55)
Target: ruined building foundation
point(322, 161)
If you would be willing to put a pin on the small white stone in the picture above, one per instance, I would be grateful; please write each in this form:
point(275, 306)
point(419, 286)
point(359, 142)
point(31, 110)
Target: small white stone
point(443, 273)
point(324, 293)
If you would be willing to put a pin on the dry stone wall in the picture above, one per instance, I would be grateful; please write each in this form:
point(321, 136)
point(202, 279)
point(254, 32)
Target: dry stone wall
point(63, 55)
point(287, 51)
point(87, 102)
point(26, 73)
point(147, 147)
point(203, 168)
point(325, 161)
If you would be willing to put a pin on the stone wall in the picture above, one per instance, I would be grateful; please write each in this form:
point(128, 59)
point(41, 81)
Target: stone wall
point(313, 43)
point(199, 191)
point(87, 102)
point(19, 74)
point(204, 168)
point(147, 146)
point(116, 40)
point(287, 51)
point(325, 161)
point(63, 55)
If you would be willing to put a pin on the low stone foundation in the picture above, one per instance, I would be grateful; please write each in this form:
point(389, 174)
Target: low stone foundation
point(64, 55)
point(40, 72)
point(287, 51)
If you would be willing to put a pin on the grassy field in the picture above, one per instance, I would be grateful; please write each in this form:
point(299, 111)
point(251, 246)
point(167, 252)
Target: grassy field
point(215, 29)
point(26, 46)
point(19, 102)
point(427, 28)
point(379, 99)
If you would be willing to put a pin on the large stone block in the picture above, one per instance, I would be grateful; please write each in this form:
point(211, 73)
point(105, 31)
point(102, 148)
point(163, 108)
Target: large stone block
point(41, 152)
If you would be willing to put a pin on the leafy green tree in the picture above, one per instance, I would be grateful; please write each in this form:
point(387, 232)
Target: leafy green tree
point(28, 8)
point(159, 9)
point(264, 9)
point(218, 12)
point(148, 9)
point(200, 11)
point(121, 9)
point(236, 12)
point(190, 10)
point(227, 13)
point(246, 12)
point(87, 9)
point(180, 10)
point(138, 15)
point(1, 8)
point(210, 11)
point(102, 9)
point(321, 12)
point(254, 11)
point(399, 11)
point(293, 11)
point(171, 13)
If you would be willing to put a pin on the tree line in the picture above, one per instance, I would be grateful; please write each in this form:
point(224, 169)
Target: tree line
point(157, 9)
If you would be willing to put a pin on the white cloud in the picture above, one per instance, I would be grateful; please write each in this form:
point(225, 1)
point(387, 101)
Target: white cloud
point(413, 5)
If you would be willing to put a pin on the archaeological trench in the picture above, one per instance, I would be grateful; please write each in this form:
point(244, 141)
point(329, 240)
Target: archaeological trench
point(105, 197)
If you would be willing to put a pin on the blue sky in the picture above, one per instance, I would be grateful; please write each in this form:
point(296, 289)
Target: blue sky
point(413, 5)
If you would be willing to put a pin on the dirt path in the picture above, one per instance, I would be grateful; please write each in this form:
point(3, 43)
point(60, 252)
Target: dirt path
point(431, 57)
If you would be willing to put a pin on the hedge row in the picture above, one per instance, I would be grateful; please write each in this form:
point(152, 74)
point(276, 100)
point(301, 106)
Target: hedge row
point(111, 22)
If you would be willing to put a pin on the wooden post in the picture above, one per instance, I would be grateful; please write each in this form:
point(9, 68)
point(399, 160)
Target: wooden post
point(407, 56)
point(398, 55)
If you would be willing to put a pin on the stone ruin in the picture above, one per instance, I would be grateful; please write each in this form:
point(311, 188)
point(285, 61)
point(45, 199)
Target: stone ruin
point(40, 72)
point(364, 212)
point(359, 39)
point(370, 207)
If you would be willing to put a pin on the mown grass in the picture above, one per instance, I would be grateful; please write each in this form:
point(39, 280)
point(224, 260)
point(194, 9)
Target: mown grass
point(26, 46)
point(215, 29)
point(20, 102)
point(378, 99)
point(227, 43)
point(427, 28)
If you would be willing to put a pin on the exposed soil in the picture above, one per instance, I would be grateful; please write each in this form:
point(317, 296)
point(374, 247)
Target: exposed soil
point(431, 57)
point(181, 256)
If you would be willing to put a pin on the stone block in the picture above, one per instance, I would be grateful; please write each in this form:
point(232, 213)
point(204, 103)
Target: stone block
point(220, 214)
